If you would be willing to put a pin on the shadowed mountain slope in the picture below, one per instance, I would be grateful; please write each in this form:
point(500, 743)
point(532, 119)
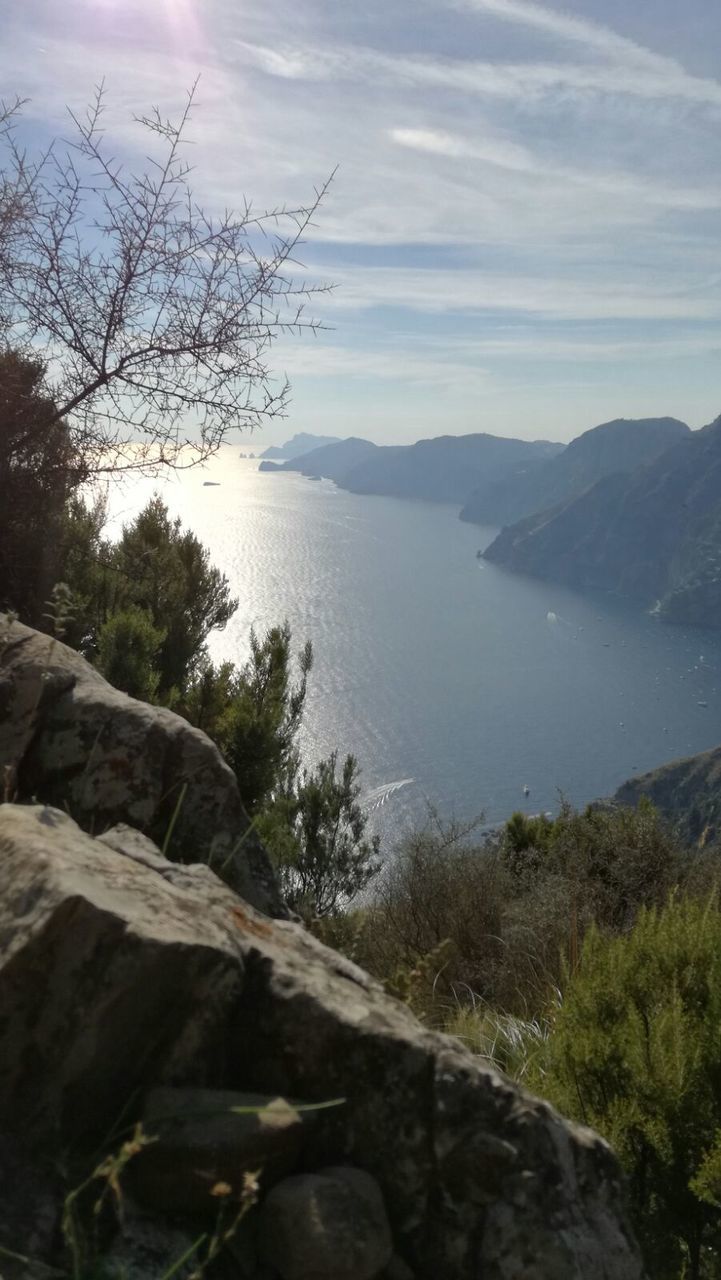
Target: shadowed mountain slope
point(621, 445)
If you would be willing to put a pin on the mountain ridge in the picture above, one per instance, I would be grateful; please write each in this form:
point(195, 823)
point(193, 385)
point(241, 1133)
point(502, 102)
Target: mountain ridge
point(302, 442)
point(619, 445)
point(653, 535)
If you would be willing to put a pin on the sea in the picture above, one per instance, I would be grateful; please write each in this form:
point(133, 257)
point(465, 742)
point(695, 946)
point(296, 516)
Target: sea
point(463, 690)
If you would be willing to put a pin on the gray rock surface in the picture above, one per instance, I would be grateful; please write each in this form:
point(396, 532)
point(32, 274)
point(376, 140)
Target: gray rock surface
point(114, 978)
point(70, 739)
point(146, 1248)
point(330, 1225)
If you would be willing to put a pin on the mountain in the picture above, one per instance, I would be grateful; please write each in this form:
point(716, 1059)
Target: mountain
point(621, 445)
point(444, 469)
point(688, 792)
point(653, 535)
point(300, 443)
point(331, 460)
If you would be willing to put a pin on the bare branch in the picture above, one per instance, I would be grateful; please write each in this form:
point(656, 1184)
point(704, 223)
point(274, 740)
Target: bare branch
point(153, 317)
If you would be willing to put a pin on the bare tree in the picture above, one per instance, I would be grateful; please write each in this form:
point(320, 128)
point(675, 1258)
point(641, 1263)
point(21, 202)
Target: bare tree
point(153, 317)
point(11, 203)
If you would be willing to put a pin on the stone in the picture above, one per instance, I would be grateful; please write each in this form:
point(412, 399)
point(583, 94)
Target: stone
point(203, 1142)
point(330, 1225)
point(146, 1248)
point(70, 739)
point(397, 1269)
point(108, 978)
point(116, 979)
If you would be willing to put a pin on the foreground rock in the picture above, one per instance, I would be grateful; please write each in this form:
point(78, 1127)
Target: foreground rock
point(69, 738)
point(120, 972)
point(330, 1225)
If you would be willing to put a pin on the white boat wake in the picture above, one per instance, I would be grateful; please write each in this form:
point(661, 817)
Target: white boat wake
point(379, 795)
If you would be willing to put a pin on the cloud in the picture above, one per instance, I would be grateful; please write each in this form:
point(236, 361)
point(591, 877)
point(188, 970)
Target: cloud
point(647, 75)
point(592, 36)
point(575, 294)
point(522, 183)
point(508, 155)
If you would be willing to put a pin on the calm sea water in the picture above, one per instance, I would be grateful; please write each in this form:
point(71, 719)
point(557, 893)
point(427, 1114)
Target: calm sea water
point(453, 682)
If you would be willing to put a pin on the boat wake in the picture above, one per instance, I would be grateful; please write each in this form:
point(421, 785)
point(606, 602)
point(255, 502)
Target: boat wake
point(379, 795)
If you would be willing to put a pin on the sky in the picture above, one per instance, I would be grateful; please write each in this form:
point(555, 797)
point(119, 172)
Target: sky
point(523, 231)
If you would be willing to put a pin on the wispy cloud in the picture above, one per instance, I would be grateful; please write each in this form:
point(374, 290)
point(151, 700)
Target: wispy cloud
point(563, 26)
point(518, 184)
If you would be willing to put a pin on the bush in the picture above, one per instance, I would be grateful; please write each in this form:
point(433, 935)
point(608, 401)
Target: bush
point(456, 922)
point(315, 833)
point(128, 647)
point(614, 860)
point(635, 1052)
point(433, 928)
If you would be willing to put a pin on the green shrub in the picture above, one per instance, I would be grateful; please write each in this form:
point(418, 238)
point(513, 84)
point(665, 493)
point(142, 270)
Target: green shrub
point(315, 832)
point(635, 1052)
point(613, 859)
point(435, 922)
point(128, 647)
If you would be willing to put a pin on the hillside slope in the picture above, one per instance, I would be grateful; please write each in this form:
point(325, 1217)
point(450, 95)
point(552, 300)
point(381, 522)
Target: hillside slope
point(653, 535)
point(445, 468)
point(332, 461)
point(618, 446)
point(687, 791)
point(299, 444)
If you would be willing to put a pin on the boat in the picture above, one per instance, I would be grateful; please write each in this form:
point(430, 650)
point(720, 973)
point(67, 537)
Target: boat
point(526, 791)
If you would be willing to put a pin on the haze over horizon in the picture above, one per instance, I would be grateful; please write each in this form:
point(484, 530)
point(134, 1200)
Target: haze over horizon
point(523, 229)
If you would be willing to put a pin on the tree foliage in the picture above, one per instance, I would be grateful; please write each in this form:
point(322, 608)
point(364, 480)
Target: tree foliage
point(38, 470)
point(161, 567)
point(316, 830)
point(155, 567)
point(128, 648)
point(264, 714)
point(310, 819)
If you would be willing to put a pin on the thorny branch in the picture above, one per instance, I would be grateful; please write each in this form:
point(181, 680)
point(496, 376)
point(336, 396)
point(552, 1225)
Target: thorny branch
point(155, 319)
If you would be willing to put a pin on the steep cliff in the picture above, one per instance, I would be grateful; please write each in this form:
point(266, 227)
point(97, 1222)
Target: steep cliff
point(653, 535)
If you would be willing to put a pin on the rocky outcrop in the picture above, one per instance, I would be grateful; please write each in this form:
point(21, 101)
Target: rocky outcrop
point(121, 973)
point(687, 792)
point(68, 738)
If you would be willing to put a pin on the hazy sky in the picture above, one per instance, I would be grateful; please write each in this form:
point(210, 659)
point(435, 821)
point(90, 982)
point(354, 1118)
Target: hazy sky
point(524, 229)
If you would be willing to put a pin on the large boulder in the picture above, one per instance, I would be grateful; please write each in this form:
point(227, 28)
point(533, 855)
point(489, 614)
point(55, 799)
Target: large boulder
point(70, 739)
point(120, 972)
